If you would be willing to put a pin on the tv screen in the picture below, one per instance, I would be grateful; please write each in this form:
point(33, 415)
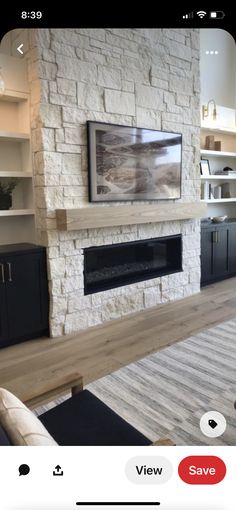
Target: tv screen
point(129, 163)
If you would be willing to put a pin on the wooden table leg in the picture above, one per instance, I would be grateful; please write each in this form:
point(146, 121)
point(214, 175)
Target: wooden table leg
point(76, 389)
point(163, 442)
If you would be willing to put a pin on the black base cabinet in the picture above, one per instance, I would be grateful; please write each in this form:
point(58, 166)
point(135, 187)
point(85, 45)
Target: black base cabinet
point(218, 251)
point(23, 293)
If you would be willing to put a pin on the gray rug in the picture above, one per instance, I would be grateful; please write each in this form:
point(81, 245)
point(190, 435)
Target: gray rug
point(166, 393)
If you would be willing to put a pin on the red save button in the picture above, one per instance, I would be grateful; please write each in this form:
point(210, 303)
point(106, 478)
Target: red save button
point(202, 470)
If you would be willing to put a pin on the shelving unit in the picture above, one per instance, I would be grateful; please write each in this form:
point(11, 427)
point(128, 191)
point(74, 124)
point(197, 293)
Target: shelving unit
point(16, 224)
point(217, 129)
point(17, 137)
point(218, 154)
point(225, 178)
point(226, 205)
point(12, 173)
point(17, 212)
point(219, 200)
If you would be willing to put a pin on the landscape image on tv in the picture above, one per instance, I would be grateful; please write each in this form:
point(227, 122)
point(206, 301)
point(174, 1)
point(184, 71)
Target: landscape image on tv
point(129, 163)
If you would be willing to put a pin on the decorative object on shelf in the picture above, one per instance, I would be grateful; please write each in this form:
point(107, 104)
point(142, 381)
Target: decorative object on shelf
point(217, 145)
point(2, 83)
point(218, 219)
point(129, 163)
point(206, 110)
point(211, 192)
point(228, 171)
point(6, 190)
point(205, 167)
point(210, 142)
point(226, 190)
point(205, 191)
point(217, 192)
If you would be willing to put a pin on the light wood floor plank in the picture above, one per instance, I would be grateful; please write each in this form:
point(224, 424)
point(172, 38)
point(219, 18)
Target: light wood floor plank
point(103, 349)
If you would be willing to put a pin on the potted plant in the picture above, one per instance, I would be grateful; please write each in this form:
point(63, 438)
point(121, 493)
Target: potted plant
point(6, 189)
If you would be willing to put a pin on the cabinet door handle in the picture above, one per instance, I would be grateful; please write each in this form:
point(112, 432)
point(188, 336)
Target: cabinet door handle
point(2, 273)
point(9, 272)
point(214, 237)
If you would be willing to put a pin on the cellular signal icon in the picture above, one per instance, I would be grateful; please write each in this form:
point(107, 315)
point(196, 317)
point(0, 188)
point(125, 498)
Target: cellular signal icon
point(201, 14)
point(188, 16)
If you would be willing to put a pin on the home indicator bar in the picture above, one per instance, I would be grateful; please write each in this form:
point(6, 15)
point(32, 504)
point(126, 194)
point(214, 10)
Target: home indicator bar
point(123, 503)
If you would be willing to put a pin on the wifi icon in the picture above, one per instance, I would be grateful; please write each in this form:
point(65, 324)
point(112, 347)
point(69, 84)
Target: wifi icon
point(201, 14)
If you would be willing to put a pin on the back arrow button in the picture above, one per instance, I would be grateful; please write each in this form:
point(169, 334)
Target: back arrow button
point(20, 50)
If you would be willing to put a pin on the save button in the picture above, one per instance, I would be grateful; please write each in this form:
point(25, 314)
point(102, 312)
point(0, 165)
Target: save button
point(202, 470)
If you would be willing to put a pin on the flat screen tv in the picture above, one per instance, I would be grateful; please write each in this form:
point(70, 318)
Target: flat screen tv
point(129, 163)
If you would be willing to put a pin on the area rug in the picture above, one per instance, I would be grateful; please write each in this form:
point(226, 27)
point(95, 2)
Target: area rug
point(166, 393)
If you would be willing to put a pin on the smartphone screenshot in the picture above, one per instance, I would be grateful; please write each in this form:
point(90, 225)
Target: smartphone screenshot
point(117, 260)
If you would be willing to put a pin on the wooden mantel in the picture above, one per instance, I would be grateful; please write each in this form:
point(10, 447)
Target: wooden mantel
point(110, 216)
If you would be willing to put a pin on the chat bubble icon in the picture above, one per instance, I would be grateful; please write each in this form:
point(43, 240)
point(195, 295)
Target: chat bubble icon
point(24, 470)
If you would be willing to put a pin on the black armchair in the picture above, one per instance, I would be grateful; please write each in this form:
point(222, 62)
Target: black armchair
point(81, 420)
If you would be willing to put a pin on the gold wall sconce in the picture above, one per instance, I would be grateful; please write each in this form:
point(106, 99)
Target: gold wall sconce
point(206, 110)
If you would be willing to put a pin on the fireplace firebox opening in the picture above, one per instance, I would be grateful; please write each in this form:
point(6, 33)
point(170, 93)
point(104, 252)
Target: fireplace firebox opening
point(115, 265)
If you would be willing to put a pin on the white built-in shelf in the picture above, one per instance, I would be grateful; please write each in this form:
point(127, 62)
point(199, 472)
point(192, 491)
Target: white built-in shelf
point(14, 96)
point(218, 129)
point(218, 153)
point(17, 212)
point(218, 159)
point(218, 200)
point(17, 224)
point(219, 178)
point(18, 174)
point(9, 136)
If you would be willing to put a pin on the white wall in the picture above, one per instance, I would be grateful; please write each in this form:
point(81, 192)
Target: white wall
point(14, 72)
point(218, 72)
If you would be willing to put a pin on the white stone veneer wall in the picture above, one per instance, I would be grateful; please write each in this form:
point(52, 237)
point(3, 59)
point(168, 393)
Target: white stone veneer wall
point(140, 77)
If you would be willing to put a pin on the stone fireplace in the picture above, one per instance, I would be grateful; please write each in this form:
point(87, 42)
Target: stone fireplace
point(134, 77)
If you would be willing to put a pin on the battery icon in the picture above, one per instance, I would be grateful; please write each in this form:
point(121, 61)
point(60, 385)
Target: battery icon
point(217, 14)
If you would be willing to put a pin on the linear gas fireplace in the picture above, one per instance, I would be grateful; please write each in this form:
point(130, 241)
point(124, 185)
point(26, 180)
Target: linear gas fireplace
point(106, 267)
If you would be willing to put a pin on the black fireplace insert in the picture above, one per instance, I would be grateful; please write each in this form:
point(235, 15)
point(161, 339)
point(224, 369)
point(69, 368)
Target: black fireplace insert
point(114, 265)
